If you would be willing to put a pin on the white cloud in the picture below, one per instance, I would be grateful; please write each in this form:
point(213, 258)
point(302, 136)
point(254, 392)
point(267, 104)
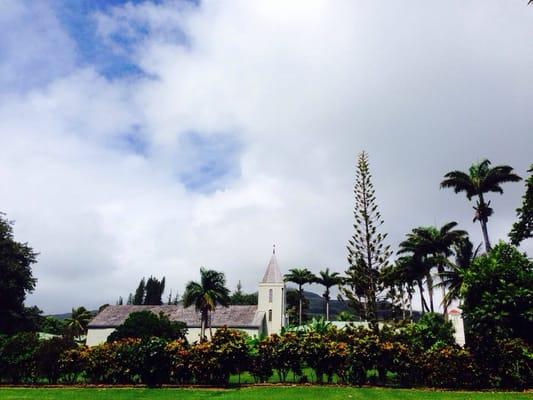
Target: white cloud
point(424, 88)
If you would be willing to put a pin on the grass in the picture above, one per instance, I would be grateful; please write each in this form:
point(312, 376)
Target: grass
point(256, 393)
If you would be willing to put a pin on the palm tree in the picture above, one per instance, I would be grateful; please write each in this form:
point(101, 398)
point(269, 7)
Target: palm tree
point(452, 278)
point(480, 179)
point(206, 295)
point(420, 263)
point(400, 279)
point(77, 324)
point(438, 243)
point(300, 276)
point(328, 280)
point(415, 269)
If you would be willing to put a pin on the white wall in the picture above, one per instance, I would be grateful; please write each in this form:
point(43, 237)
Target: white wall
point(99, 336)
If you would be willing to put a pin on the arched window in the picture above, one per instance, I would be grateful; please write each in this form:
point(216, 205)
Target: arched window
point(270, 295)
point(269, 315)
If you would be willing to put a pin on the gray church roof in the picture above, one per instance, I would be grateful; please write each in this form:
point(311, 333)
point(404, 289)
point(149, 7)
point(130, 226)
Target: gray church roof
point(272, 273)
point(232, 316)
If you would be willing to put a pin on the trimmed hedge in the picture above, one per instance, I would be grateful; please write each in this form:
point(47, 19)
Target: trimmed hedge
point(347, 355)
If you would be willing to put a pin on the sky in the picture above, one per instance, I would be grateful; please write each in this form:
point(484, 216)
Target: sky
point(155, 137)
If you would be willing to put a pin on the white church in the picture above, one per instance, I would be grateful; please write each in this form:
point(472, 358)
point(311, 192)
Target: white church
point(265, 318)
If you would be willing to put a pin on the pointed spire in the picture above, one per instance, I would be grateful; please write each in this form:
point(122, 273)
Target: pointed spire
point(272, 273)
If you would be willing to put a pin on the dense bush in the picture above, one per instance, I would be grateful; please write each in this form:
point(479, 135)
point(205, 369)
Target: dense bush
point(498, 296)
point(48, 357)
point(450, 366)
point(145, 324)
point(351, 355)
point(17, 355)
point(179, 360)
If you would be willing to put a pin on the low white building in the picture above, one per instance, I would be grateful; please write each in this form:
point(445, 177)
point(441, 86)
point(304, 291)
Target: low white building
point(265, 318)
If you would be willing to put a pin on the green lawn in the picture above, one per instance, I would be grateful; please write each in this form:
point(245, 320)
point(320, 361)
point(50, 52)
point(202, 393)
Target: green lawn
point(255, 393)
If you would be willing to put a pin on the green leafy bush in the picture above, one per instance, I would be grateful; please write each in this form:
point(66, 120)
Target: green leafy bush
point(48, 357)
point(179, 361)
point(153, 364)
point(17, 354)
point(449, 366)
point(144, 324)
point(261, 360)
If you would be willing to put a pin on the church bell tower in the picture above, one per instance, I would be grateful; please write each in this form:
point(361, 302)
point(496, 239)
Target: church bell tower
point(271, 296)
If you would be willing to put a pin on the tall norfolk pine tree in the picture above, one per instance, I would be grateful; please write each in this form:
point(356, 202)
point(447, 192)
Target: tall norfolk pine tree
point(523, 228)
point(367, 252)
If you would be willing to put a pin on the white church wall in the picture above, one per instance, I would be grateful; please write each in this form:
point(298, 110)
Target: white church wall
point(99, 336)
point(271, 300)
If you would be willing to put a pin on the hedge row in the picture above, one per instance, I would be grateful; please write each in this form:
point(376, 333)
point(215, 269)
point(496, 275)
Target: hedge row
point(347, 355)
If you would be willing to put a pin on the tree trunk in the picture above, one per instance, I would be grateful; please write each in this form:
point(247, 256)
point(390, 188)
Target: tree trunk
point(444, 304)
point(422, 299)
point(327, 310)
point(202, 324)
point(300, 306)
point(429, 283)
point(488, 247)
point(483, 222)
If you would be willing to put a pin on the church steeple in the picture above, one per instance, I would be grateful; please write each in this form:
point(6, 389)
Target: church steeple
point(272, 273)
point(271, 296)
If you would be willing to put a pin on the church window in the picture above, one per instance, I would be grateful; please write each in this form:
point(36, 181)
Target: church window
point(270, 295)
point(269, 315)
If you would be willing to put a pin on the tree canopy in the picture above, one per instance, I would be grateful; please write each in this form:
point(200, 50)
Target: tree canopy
point(16, 281)
point(145, 324)
point(523, 228)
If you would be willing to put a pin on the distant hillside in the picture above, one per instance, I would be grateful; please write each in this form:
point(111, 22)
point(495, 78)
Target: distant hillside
point(67, 315)
point(316, 307)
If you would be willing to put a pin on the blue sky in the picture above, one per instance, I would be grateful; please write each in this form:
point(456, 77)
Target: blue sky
point(157, 137)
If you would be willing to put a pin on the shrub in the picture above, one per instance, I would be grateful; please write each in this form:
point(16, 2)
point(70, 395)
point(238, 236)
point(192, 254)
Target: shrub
point(428, 331)
point(287, 354)
point(179, 361)
point(145, 324)
point(363, 354)
point(261, 360)
point(17, 353)
point(449, 366)
point(72, 364)
point(498, 297)
point(204, 364)
point(322, 353)
point(153, 365)
point(47, 357)
point(231, 351)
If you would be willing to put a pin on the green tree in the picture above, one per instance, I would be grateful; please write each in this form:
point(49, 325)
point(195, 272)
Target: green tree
point(206, 295)
point(399, 278)
point(438, 243)
point(497, 296)
point(523, 228)
point(153, 292)
point(16, 280)
point(145, 324)
point(328, 280)
point(367, 252)
point(414, 270)
point(238, 297)
point(452, 278)
point(52, 325)
point(300, 276)
point(293, 305)
point(480, 180)
point(138, 297)
point(77, 324)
